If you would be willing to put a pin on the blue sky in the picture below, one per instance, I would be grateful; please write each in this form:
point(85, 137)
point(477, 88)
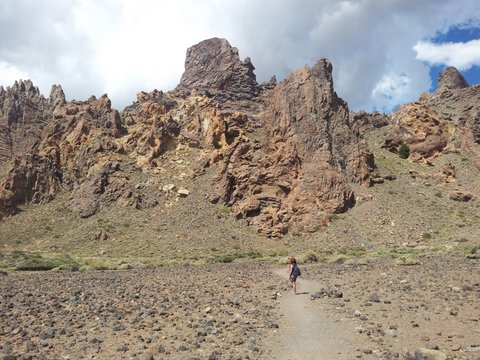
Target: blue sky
point(384, 53)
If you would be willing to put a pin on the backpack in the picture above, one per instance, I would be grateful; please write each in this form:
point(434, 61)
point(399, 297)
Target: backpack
point(296, 270)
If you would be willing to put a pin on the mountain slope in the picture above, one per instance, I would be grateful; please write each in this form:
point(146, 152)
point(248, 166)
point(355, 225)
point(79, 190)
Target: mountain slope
point(223, 166)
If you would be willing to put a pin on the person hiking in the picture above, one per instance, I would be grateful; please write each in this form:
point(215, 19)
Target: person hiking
point(293, 273)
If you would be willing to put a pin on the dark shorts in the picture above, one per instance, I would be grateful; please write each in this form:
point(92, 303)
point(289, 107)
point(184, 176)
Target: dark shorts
point(293, 278)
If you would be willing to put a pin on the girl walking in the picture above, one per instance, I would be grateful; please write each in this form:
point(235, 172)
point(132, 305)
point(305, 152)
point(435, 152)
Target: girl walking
point(293, 273)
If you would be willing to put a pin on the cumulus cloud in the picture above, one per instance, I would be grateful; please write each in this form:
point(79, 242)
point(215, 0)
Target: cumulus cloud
point(390, 88)
point(121, 47)
point(461, 55)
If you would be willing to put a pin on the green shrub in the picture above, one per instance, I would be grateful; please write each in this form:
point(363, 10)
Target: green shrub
point(225, 258)
point(309, 256)
point(426, 236)
point(67, 267)
point(18, 254)
point(280, 252)
point(353, 252)
point(284, 261)
point(38, 264)
point(35, 262)
point(336, 259)
point(404, 151)
point(408, 261)
point(254, 254)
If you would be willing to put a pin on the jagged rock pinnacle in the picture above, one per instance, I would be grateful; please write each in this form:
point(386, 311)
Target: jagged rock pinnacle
point(450, 78)
point(214, 66)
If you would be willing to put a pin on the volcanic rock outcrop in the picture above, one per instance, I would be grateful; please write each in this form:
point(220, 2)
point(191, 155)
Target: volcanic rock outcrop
point(300, 175)
point(447, 120)
point(450, 79)
point(75, 142)
point(23, 113)
point(213, 68)
point(285, 155)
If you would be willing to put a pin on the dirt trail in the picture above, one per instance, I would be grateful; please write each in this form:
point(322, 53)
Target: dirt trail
point(307, 333)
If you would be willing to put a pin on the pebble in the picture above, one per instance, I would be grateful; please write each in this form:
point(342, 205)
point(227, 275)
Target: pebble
point(115, 314)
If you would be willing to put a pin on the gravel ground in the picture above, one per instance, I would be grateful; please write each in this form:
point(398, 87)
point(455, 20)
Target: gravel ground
point(401, 309)
point(231, 311)
point(211, 312)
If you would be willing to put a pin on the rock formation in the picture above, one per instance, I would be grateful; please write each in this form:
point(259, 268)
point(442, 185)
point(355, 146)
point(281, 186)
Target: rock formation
point(284, 157)
point(447, 120)
point(77, 139)
point(363, 122)
point(300, 176)
point(420, 127)
point(23, 113)
point(451, 79)
point(284, 154)
point(213, 68)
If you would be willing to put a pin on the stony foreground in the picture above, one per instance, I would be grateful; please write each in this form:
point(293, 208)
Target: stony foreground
point(231, 311)
point(215, 312)
point(399, 310)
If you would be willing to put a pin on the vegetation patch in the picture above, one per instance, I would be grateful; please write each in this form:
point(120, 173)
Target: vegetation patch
point(23, 261)
point(404, 151)
point(408, 261)
point(237, 255)
point(307, 257)
point(426, 236)
point(336, 259)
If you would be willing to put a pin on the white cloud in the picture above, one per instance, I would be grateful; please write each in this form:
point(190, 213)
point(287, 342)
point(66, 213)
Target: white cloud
point(9, 73)
point(121, 47)
point(461, 55)
point(391, 89)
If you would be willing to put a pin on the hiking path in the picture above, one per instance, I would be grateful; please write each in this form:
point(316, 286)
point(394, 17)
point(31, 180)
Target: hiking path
point(305, 329)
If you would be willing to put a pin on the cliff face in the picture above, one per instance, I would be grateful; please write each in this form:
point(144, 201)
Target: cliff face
point(23, 114)
point(299, 174)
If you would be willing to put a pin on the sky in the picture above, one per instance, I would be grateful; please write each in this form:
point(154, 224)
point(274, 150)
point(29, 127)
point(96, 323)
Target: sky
point(384, 52)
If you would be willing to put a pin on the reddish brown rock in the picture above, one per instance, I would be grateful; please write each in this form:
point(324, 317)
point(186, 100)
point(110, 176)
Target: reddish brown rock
point(300, 175)
point(460, 196)
point(447, 120)
point(286, 168)
point(23, 114)
point(364, 122)
point(421, 128)
point(450, 79)
point(32, 178)
point(77, 140)
point(151, 129)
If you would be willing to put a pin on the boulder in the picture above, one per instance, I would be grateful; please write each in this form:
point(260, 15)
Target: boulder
point(426, 354)
point(460, 196)
point(183, 192)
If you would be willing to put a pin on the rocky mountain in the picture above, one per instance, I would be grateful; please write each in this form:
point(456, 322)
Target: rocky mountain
point(444, 121)
point(23, 114)
point(282, 158)
point(299, 173)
